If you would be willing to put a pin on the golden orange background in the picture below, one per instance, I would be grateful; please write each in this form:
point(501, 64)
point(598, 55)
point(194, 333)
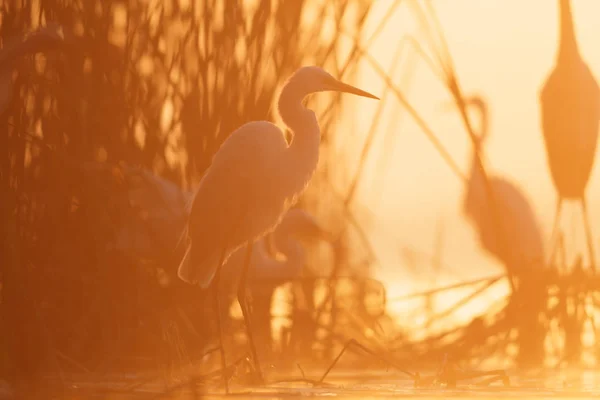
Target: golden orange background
point(502, 50)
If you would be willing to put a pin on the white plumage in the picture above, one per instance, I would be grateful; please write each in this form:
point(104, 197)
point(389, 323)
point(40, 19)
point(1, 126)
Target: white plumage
point(255, 177)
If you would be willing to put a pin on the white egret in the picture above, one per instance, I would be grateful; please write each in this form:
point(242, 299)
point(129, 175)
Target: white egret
point(516, 218)
point(254, 178)
point(570, 117)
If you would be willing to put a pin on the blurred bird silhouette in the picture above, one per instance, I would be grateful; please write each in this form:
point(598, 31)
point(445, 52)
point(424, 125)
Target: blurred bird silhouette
point(43, 39)
point(161, 209)
point(272, 267)
point(146, 212)
point(523, 243)
point(254, 178)
point(277, 258)
point(570, 114)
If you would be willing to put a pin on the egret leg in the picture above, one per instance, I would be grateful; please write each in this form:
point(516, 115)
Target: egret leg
point(554, 234)
point(563, 252)
point(244, 306)
point(356, 344)
point(588, 234)
point(217, 306)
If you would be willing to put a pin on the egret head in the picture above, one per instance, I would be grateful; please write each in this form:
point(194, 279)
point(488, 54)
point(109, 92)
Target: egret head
point(312, 79)
point(477, 103)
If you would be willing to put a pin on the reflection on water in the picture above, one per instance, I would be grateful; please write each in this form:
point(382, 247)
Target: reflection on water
point(348, 385)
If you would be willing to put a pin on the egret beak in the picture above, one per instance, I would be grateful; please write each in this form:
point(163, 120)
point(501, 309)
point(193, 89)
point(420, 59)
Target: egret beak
point(344, 87)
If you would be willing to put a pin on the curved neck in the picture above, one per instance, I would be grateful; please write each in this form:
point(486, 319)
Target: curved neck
point(567, 42)
point(475, 193)
point(476, 185)
point(303, 153)
point(484, 122)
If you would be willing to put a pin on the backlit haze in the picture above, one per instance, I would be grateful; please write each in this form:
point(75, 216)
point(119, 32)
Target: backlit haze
point(503, 51)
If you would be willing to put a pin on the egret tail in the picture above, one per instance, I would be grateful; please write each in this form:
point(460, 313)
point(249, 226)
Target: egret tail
point(197, 273)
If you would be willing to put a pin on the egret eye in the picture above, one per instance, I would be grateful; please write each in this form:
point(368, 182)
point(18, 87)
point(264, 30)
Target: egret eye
point(328, 82)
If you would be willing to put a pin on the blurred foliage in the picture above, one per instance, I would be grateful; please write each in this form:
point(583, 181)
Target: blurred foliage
point(108, 103)
point(151, 84)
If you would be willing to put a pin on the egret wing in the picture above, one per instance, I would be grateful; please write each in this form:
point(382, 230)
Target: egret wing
point(227, 194)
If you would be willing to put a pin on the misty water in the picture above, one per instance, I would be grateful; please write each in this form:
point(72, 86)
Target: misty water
point(564, 384)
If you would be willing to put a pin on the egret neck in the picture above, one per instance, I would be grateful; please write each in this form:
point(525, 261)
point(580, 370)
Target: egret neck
point(301, 158)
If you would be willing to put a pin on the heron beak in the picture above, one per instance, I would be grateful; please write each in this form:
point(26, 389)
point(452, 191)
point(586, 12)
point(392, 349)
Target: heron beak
point(344, 87)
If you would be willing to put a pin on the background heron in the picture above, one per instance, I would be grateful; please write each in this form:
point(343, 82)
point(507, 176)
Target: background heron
point(271, 267)
point(254, 178)
point(517, 222)
point(570, 114)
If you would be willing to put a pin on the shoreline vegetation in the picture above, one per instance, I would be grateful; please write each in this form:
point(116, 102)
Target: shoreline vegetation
point(99, 99)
